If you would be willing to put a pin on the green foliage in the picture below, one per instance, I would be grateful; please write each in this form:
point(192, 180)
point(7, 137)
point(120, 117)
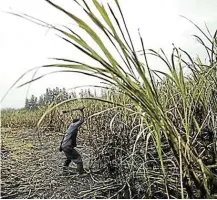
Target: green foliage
point(176, 117)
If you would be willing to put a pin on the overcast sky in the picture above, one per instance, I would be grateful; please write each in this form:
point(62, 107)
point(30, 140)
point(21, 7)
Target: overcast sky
point(24, 45)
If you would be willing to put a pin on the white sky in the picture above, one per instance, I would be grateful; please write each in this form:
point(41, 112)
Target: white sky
point(24, 45)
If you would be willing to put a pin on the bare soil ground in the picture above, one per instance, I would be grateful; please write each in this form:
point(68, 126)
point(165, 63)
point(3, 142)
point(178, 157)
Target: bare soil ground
point(32, 170)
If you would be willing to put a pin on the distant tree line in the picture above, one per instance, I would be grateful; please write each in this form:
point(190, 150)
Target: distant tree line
point(54, 95)
point(51, 95)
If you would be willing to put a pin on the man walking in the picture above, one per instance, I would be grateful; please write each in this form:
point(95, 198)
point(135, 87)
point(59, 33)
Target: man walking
point(69, 142)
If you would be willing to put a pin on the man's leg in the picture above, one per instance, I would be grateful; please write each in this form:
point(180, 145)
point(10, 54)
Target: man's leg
point(67, 162)
point(78, 160)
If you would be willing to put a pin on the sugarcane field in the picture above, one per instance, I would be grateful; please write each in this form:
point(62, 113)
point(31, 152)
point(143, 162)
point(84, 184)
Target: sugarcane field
point(146, 130)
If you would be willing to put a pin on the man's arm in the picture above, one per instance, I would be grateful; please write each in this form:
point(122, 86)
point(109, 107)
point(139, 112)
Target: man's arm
point(77, 124)
point(81, 121)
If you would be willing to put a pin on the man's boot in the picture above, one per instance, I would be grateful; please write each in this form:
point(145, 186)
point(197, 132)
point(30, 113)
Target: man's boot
point(66, 167)
point(65, 170)
point(80, 168)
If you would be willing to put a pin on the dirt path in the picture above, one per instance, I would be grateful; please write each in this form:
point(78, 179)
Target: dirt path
point(29, 170)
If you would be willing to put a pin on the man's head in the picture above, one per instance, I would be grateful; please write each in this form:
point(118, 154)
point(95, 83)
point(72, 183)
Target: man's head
point(75, 120)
